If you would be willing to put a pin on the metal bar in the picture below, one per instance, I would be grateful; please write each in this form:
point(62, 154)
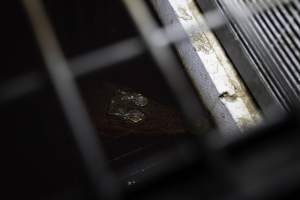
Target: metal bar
point(213, 75)
point(80, 66)
point(185, 96)
point(63, 81)
point(167, 62)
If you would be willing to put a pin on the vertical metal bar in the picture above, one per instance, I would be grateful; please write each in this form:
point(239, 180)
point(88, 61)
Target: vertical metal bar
point(73, 107)
point(195, 115)
point(187, 100)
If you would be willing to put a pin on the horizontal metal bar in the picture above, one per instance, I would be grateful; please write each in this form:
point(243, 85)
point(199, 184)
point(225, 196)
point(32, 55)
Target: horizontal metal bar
point(116, 53)
point(83, 65)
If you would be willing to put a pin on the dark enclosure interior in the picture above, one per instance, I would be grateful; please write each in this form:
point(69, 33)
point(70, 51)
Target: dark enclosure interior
point(42, 153)
point(154, 142)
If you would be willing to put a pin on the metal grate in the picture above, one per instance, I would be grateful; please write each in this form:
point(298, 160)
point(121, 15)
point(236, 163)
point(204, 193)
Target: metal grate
point(271, 36)
point(62, 74)
point(204, 159)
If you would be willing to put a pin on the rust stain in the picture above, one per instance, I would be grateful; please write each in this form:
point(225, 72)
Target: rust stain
point(202, 43)
point(236, 93)
point(183, 14)
point(228, 97)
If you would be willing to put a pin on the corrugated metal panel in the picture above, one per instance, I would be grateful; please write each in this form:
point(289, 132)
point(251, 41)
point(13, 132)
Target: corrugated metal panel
point(271, 36)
